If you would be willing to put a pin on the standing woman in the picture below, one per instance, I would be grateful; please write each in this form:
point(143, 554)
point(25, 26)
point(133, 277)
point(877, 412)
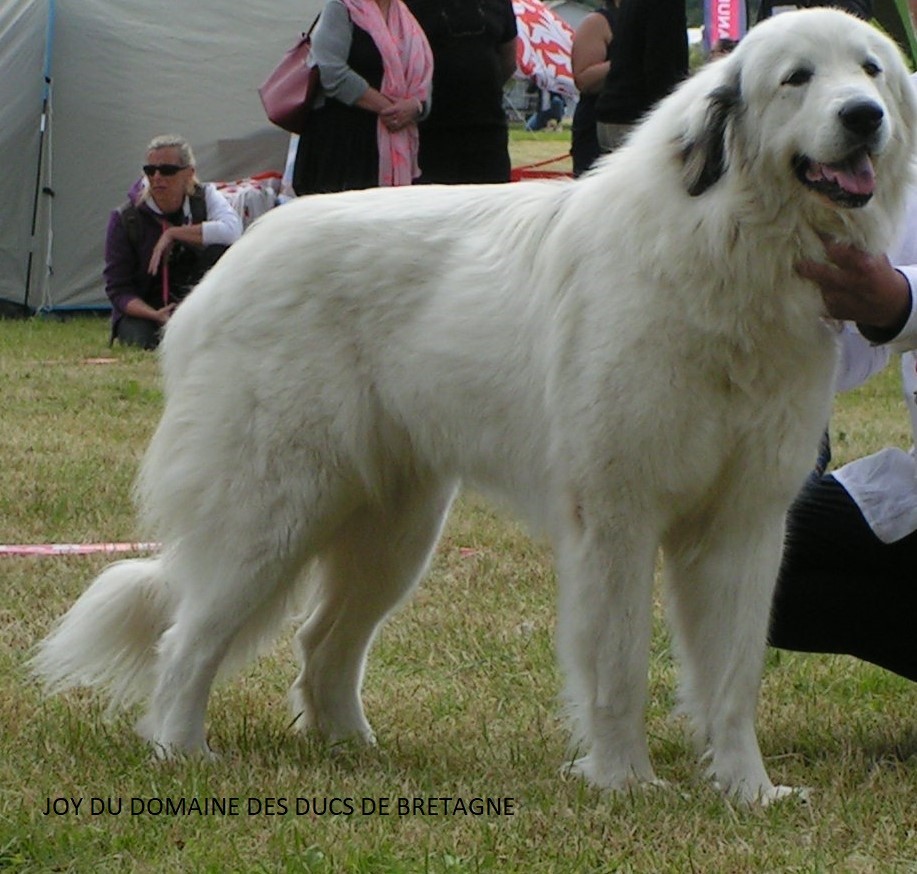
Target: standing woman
point(590, 58)
point(376, 69)
point(466, 137)
point(648, 58)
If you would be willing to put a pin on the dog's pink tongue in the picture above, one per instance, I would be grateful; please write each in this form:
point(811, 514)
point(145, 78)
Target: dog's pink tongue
point(855, 176)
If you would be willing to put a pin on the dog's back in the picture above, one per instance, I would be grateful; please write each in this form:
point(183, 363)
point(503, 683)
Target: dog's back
point(369, 321)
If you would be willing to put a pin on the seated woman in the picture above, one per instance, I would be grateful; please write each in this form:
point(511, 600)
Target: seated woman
point(161, 242)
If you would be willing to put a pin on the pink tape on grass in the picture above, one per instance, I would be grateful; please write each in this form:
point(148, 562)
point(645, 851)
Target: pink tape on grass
point(75, 548)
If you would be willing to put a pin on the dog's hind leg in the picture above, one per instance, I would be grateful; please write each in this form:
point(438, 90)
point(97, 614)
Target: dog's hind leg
point(720, 579)
point(221, 596)
point(605, 576)
point(373, 563)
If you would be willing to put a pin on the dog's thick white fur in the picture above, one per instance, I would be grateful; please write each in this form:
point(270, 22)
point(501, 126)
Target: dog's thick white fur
point(629, 359)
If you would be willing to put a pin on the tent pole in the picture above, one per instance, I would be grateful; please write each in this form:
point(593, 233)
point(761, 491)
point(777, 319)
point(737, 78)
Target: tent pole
point(43, 130)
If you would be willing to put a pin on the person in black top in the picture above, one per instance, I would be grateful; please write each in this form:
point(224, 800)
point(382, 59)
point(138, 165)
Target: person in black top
point(466, 137)
point(590, 59)
point(648, 58)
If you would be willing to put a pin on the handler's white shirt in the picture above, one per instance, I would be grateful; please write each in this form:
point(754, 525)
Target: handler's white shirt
point(884, 485)
point(223, 225)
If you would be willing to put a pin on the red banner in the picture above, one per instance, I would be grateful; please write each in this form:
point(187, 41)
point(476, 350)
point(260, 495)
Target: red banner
point(543, 49)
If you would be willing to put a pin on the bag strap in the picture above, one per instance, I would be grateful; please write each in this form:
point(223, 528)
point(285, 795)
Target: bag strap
point(164, 272)
point(197, 200)
point(130, 221)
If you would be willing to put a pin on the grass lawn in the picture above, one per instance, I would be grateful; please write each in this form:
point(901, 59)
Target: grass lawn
point(533, 147)
point(461, 689)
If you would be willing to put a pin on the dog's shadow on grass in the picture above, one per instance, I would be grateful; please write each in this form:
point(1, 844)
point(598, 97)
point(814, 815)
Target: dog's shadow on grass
point(434, 756)
point(894, 749)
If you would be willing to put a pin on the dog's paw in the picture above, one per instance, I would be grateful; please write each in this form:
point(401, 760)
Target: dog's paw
point(585, 768)
point(166, 749)
point(343, 737)
point(331, 727)
point(166, 752)
point(351, 744)
point(780, 793)
point(764, 796)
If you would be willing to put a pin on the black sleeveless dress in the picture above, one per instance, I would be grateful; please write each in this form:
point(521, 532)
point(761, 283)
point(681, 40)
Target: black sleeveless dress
point(339, 149)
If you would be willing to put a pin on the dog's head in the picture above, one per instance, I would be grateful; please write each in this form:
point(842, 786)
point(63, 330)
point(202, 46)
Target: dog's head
point(812, 104)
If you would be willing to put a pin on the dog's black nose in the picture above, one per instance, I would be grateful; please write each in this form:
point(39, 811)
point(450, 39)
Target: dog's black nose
point(862, 117)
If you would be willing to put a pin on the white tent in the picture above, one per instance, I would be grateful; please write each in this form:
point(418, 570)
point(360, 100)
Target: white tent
point(85, 85)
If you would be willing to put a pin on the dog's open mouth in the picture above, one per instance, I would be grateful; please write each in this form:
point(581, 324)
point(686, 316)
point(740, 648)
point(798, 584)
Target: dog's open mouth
point(849, 183)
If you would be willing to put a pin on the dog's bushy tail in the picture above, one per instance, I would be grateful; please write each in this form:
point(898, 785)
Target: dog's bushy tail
point(108, 637)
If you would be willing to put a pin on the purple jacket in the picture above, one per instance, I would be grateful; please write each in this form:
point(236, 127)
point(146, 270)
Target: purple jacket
point(126, 265)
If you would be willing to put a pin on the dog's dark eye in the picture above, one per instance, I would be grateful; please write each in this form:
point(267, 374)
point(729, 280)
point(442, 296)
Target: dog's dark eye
point(872, 69)
point(799, 77)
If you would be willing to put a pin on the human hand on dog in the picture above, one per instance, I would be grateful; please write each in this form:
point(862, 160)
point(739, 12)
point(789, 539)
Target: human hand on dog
point(860, 287)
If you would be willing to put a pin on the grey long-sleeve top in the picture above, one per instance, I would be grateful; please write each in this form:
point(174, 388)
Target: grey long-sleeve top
point(331, 42)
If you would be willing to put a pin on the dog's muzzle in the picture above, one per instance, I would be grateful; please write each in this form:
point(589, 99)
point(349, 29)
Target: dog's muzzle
point(851, 181)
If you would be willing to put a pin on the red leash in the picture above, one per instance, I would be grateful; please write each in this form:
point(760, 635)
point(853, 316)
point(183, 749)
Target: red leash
point(164, 271)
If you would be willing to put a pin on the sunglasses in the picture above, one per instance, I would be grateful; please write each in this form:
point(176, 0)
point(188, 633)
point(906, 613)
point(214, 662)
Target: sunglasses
point(163, 169)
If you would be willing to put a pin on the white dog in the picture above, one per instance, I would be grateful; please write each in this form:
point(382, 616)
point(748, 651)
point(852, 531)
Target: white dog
point(629, 359)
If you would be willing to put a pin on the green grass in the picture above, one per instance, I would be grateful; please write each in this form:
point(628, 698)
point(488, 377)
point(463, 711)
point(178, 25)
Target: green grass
point(461, 689)
point(519, 135)
point(530, 147)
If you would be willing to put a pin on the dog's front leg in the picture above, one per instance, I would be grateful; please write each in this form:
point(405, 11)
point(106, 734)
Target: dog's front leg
point(721, 575)
point(605, 575)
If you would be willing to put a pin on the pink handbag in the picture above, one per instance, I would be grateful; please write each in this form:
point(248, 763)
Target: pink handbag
point(289, 91)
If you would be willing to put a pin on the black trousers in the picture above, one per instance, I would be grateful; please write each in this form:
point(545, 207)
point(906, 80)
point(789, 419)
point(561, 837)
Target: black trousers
point(131, 331)
point(455, 156)
point(841, 589)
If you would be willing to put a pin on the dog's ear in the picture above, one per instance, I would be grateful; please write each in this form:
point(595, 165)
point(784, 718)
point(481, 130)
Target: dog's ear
point(704, 157)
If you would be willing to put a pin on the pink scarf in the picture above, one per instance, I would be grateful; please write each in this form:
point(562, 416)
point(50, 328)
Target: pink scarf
point(407, 63)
